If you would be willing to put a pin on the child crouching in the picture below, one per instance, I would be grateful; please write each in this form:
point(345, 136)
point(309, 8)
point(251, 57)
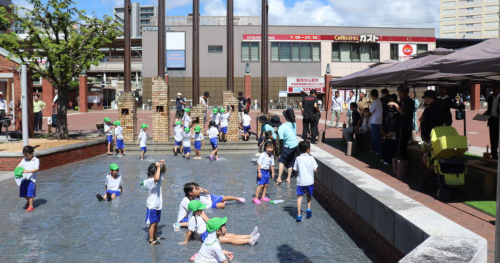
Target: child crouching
point(113, 184)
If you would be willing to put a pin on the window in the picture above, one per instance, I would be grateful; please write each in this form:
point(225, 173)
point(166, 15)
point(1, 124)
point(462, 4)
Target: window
point(335, 52)
point(250, 51)
point(394, 51)
point(214, 49)
point(491, 8)
point(355, 52)
point(421, 48)
point(294, 51)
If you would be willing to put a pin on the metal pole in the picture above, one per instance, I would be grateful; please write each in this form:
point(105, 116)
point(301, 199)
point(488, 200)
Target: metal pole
point(14, 108)
point(230, 47)
point(161, 38)
point(465, 115)
point(24, 96)
point(264, 69)
point(126, 39)
point(196, 52)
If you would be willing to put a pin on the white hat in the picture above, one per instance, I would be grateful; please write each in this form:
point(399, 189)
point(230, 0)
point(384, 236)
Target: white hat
point(179, 94)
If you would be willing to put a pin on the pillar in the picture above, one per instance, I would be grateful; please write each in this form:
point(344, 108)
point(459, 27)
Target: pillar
point(198, 116)
point(104, 78)
point(48, 93)
point(328, 92)
point(230, 102)
point(161, 110)
point(127, 115)
point(17, 103)
point(8, 93)
point(82, 80)
point(248, 85)
point(166, 78)
point(475, 94)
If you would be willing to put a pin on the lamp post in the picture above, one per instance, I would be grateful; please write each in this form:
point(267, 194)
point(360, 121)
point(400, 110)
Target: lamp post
point(196, 52)
point(230, 47)
point(161, 38)
point(126, 39)
point(264, 69)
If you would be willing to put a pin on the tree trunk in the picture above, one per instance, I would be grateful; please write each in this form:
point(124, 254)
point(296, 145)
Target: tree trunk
point(62, 111)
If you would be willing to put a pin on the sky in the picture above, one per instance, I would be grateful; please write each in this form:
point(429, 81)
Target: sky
point(374, 13)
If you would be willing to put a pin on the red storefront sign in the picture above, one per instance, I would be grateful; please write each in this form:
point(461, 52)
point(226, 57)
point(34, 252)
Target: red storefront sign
point(340, 38)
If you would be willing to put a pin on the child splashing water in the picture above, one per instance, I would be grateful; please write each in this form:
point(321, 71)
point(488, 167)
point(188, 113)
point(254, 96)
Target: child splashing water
point(265, 166)
point(215, 201)
point(29, 166)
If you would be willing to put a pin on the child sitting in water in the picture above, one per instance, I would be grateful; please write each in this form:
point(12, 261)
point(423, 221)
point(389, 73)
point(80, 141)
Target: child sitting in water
point(190, 191)
point(113, 184)
point(215, 201)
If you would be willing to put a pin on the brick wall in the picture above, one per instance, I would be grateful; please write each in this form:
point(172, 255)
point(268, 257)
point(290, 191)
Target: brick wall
point(231, 103)
point(48, 93)
point(377, 243)
point(127, 115)
point(198, 116)
point(161, 116)
point(82, 90)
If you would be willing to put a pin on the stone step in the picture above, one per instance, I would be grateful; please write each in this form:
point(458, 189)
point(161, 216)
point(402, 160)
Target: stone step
point(252, 141)
point(205, 148)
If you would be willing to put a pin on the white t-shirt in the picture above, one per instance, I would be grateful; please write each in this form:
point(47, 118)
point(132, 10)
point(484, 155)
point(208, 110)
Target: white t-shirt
point(210, 253)
point(376, 110)
point(106, 128)
point(119, 132)
point(198, 136)
point(206, 199)
point(30, 165)
point(186, 140)
point(143, 137)
point(216, 118)
point(183, 209)
point(305, 165)
point(223, 119)
point(265, 161)
point(112, 183)
point(213, 132)
point(154, 200)
point(197, 225)
point(187, 120)
point(178, 133)
point(3, 105)
point(246, 120)
point(336, 103)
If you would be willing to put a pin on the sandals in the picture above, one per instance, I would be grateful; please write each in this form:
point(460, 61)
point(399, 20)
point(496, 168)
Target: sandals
point(160, 238)
point(30, 209)
point(108, 196)
point(99, 197)
point(154, 242)
point(299, 218)
point(278, 183)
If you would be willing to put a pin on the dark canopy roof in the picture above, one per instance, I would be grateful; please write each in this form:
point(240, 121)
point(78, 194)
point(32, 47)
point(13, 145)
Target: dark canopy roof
point(351, 80)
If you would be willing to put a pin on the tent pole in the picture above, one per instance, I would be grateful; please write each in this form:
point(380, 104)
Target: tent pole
point(327, 102)
point(465, 114)
point(497, 229)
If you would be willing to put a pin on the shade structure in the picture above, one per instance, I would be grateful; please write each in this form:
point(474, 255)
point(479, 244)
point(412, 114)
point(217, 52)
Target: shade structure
point(474, 64)
point(351, 79)
point(397, 74)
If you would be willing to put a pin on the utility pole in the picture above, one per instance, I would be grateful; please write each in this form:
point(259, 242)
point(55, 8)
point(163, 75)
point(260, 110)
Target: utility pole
point(230, 47)
point(161, 38)
point(264, 69)
point(127, 66)
point(196, 51)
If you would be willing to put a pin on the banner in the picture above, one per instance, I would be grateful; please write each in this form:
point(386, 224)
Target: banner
point(298, 84)
point(176, 59)
point(405, 51)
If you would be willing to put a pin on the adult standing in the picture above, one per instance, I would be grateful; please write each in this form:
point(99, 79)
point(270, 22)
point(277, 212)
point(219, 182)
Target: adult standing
point(38, 107)
point(290, 144)
point(431, 117)
point(241, 106)
point(362, 103)
point(406, 108)
point(309, 107)
point(417, 104)
point(376, 122)
point(3, 110)
point(204, 103)
point(446, 104)
point(348, 102)
point(494, 113)
point(180, 103)
point(385, 108)
point(336, 109)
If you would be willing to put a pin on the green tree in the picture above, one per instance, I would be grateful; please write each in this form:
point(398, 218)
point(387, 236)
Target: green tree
point(69, 40)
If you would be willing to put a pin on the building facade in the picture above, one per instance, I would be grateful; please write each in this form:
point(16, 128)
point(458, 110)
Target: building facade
point(298, 56)
point(470, 18)
point(140, 16)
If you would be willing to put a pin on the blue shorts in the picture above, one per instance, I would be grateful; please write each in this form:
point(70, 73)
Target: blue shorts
point(288, 156)
point(217, 126)
point(187, 150)
point(265, 177)
point(197, 145)
point(185, 220)
point(178, 143)
point(109, 138)
point(153, 216)
point(204, 235)
point(223, 129)
point(246, 128)
point(301, 190)
point(144, 149)
point(27, 189)
point(216, 199)
point(120, 144)
point(213, 142)
point(117, 193)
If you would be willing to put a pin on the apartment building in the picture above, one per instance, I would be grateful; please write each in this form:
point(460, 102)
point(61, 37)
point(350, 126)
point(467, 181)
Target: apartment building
point(470, 18)
point(140, 16)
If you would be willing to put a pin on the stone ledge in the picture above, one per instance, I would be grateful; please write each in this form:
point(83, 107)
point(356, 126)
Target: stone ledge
point(409, 226)
point(57, 149)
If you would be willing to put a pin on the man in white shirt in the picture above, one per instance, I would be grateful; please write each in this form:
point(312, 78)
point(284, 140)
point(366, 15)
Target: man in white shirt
point(494, 114)
point(376, 122)
point(348, 102)
point(336, 109)
point(204, 103)
point(211, 251)
point(3, 109)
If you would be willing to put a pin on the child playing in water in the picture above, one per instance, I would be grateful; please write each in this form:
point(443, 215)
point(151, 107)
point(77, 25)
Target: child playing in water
point(178, 131)
point(190, 191)
point(215, 201)
point(198, 141)
point(119, 138)
point(154, 202)
point(30, 165)
point(265, 166)
point(245, 122)
point(305, 166)
point(187, 118)
point(108, 126)
point(212, 134)
point(186, 142)
point(143, 136)
point(215, 116)
point(223, 124)
point(113, 184)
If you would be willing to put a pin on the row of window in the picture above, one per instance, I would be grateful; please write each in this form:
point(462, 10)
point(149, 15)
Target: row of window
point(355, 52)
point(292, 51)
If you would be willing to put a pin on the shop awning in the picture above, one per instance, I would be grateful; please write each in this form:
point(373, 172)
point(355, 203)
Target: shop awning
point(351, 80)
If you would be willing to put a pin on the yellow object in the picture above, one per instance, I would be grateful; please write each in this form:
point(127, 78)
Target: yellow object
point(446, 143)
point(38, 105)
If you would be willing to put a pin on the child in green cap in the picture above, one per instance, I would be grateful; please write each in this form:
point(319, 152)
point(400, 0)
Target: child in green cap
point(119, 138)
point(31, 164)
point(215, 116)
point(113, 184)
point(187, 118)
point(198, 141)
point(143, 136)
point(178, 136)
point(108, 126)
point(224, 122)
point(186, 142)
point(154, 202)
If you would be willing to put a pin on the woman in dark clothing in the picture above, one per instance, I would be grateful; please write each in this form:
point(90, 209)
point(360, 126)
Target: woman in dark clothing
point(431, 117)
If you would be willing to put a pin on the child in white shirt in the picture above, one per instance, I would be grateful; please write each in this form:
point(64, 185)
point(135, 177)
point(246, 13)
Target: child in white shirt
point(245, 122)
point(187, 118)
point(215, 116)
point(154, 202)
point(265, 167)
point(178, 131)
point(31, 164)
point(212, 134)
point(143, 136)
point(186, 142)
point(223, 124)
point(113, 184)
point(108, 127)
point(305, 167)
point(198, 141)
point(119, 138)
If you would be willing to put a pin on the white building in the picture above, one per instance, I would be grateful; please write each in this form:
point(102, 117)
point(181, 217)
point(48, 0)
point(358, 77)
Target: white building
point(470, 18)
point(140, 16)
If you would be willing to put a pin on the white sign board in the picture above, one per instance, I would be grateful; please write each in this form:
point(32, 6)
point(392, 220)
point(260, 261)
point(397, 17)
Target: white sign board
point(405, 51)
point(176, 40)
point(305, 84)
point(283, 94)
point(93, 99)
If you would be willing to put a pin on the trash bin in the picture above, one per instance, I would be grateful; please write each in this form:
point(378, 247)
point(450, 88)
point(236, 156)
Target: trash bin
point(54, 120)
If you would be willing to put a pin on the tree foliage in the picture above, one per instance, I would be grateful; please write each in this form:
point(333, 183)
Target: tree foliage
point(68, 40)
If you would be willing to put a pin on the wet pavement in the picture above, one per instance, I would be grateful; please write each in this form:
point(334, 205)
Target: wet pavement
point(70, 225)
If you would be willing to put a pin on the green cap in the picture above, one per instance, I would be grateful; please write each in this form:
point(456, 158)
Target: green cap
point(187, 110)
point(178, 123)
point(144, 125)
point(18, 172)
point(117, 123)
point(197, 128)
point(113, 167)
point(216, 110)
point(186, 129)
point(196, 205)
point(222, 110)
point(215, 223)
point(107, 119)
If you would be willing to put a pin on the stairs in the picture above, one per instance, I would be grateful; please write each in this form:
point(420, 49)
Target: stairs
point(239, 147)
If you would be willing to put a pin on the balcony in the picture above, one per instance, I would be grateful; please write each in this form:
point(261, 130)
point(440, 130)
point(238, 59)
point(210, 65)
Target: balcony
point(115, 67)
point(469, 3)
point(469, 27)
point(207, 20)
point(470, 11)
